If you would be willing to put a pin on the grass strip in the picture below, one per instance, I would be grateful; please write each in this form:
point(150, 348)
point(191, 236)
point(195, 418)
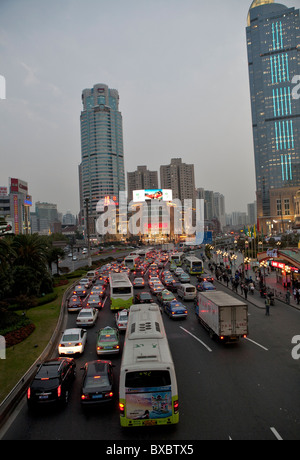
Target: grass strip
point(19, 358)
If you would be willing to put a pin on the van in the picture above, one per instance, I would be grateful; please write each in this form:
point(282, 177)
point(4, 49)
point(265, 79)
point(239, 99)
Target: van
point(91, 275)
point(187, 291)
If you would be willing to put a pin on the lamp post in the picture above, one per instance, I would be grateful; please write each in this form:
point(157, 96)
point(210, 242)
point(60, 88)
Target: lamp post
point(88, 230)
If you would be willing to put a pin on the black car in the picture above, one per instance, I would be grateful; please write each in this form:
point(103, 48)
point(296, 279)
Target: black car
point(97, 383)
point(143, 297)
point(52, 382)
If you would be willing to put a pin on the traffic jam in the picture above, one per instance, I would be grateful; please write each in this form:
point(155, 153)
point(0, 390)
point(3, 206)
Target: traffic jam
point(158, 277)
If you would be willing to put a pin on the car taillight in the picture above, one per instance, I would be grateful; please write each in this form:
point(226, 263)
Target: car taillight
point(176, 406)
point(78, 344)
point(28, 393)
point(85, 397)
point(116, 346)
point(109, 395)
point(59, 391)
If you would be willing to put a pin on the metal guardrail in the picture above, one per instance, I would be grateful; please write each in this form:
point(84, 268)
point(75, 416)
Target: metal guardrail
point(11, 401)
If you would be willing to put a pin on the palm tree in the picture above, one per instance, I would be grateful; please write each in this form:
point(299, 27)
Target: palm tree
point(6, 259)
point(30, 265)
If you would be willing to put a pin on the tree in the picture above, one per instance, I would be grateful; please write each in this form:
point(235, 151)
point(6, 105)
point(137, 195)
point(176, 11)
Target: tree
point(30, 265)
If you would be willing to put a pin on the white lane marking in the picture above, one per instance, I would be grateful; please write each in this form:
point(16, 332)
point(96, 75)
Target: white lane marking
point(276, 434)
point(202, 343)
point(258, 344)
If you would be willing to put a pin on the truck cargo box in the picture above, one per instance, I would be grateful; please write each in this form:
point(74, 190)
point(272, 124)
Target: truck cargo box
point(223, 315)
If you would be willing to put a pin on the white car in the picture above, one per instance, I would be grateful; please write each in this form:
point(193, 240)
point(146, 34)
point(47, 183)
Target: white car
point(86, 282)
point(72, 341)
point(87, 317)
point(122, 319)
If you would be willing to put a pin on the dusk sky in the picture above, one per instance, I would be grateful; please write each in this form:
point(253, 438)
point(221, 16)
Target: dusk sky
point(180, 67)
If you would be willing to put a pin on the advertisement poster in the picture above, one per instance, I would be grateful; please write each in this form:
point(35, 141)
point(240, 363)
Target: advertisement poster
point(149, 403)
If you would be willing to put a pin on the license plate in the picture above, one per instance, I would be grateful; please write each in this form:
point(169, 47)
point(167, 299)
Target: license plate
point(43, 397)
point(96, 396)
point(107, 348)
point(149, 422)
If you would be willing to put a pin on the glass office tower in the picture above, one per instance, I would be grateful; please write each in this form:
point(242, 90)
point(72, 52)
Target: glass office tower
point(273, 43)
point(101, 172)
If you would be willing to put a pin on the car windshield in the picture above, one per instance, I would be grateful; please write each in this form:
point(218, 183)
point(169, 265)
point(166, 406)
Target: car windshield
point(85, 313)
point(96, 381)
point(168, 296)
point(123, 317)
point(108, 337)
point(70, 337)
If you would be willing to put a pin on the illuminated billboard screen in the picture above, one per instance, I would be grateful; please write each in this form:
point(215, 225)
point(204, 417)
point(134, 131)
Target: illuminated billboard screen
point(156, 194)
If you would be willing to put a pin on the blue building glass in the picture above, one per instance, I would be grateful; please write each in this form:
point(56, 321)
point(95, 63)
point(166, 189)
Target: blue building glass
point(273, 44)
point(102, 158)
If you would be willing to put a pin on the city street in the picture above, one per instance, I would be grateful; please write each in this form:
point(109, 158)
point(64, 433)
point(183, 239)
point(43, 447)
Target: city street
point(243, 391)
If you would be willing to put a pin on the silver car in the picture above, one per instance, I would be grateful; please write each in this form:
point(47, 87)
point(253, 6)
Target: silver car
point(87, 317)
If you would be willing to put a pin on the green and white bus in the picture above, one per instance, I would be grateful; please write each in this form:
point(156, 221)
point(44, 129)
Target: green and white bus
point(194, 265)
point(132, 261)
point(121, 291)
point(148, 393)
point(177, 257)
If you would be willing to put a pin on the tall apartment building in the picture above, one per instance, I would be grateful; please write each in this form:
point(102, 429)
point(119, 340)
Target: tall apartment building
point(101, 172)
point(273, 45)
point(180, 178)
point(141, 179)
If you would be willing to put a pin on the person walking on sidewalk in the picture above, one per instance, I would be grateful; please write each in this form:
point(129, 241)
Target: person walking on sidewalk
point(267, 303)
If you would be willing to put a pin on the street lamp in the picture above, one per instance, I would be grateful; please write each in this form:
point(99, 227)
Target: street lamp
point(88, 230)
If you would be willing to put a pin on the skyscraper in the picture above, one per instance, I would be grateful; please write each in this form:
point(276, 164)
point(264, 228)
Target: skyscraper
point(273, 43)
point(179, 177)
point(101, 172)
point(141, 179)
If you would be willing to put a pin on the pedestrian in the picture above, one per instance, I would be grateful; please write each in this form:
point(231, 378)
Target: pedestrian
point(288, 297)
point(245, 291)
point(267, 303)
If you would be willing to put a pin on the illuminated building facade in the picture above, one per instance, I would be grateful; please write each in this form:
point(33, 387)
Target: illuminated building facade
point(273, 44)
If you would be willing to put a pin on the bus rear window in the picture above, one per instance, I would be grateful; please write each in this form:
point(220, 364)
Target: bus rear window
point(144, 379)
point(122, 290)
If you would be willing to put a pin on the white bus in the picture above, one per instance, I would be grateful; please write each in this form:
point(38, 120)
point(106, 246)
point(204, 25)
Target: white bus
point(121, 291)
point(194, 265)
point(148, 392)
point(177, 257)
point(132, 261)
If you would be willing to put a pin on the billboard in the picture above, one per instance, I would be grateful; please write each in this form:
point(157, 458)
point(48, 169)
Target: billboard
point(18, 186)
point(155, 194)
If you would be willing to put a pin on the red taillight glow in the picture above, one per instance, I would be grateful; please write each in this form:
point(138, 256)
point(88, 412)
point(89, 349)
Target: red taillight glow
point(59, 391)
point(122, 408)
point(28, 393)
point(176, 406)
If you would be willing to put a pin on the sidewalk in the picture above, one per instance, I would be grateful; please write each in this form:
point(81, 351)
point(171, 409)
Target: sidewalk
point(271, 284)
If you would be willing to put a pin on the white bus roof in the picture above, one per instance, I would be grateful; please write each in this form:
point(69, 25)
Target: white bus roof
point(146, 343)
point(119, 278)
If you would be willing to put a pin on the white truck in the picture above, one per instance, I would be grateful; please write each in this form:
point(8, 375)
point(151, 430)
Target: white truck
point(223, 315)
